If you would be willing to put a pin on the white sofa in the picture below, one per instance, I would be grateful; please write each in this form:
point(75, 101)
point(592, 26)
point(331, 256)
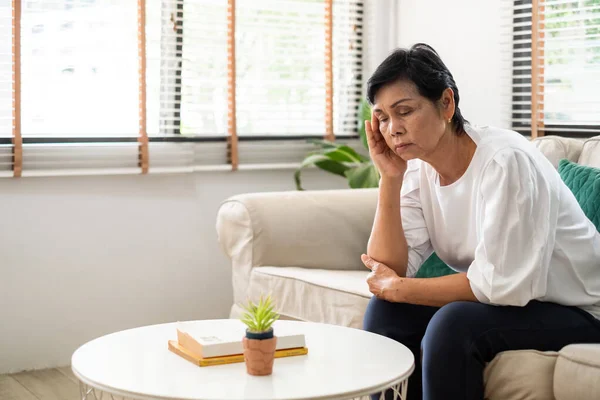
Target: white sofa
point(304, 248)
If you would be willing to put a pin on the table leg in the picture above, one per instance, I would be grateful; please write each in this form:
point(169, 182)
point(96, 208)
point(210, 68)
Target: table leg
point(89, 393)
point(404, 395)
point(399, 391)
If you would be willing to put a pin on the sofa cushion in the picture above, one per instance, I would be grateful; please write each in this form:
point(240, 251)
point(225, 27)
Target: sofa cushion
point(555, 148)
point(520, 374)
point(584, 182)
point(577, 372)
point(590, 155)
point(317, 295)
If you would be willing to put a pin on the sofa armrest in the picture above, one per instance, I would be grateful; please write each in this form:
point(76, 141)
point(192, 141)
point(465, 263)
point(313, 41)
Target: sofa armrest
point(312, 229)
point(577, 372)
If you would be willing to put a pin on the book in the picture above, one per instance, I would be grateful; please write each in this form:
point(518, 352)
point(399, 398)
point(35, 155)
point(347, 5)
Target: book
point(236, 358)
point(219, 341)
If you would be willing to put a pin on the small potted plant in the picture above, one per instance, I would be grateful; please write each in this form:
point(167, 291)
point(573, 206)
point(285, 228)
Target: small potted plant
point(260, 341)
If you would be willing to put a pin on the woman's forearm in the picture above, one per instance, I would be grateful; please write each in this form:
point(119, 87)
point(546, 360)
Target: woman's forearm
point(387, 243)
point(435, 292)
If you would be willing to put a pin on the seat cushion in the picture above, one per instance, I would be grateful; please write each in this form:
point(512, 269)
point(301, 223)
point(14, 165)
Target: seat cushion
point(577, 372)
point(520, 374)
point(317, 295)
point(584, 182)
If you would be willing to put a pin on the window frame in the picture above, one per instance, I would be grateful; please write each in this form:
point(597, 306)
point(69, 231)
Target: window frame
point(518, 111)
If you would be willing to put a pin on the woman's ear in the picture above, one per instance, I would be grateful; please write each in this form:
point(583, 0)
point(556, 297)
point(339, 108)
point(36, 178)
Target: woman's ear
point(448, 103)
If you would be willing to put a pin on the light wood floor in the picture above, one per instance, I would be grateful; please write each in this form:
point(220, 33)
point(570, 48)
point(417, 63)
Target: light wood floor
point(46, 384)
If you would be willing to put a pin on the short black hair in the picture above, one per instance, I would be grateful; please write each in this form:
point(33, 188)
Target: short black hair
point(422, 66)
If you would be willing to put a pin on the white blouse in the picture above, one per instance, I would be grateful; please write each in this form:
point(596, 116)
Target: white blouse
point(509, 222)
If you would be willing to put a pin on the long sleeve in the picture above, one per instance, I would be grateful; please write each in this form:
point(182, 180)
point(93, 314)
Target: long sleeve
point(516, 231)
point(413, 222)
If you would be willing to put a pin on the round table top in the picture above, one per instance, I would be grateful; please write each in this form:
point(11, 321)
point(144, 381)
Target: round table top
point(341, 363)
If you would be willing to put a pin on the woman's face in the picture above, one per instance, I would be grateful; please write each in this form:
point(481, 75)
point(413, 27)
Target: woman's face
point(411, 124)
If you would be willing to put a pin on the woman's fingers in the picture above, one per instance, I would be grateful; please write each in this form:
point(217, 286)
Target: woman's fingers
point(375, 127)
point(369, 131)
point(374, 136)
point(370, 263)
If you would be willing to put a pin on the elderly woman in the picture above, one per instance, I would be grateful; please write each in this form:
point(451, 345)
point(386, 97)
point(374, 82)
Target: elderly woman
point(494, 209)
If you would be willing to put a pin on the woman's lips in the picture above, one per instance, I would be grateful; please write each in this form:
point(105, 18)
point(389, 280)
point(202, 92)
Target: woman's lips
point(402, 147)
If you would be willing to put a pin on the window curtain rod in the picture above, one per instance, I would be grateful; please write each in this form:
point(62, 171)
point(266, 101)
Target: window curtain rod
point(329, 135)
point(17, 139)
point(537, 68)
point(232, 139)
point(144, 156)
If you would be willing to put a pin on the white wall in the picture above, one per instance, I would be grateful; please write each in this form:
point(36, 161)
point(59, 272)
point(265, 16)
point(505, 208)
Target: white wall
point(85, 256)
point(468, 35)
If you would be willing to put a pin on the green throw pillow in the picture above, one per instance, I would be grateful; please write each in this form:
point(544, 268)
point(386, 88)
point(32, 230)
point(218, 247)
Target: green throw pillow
point(584, 182)
point(433, 267)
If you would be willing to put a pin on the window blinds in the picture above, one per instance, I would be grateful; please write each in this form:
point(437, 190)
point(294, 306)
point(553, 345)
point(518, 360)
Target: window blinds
point(556, 67)
point(109, 86)
point(187, 67)
point(349, 24)
point(280, 61)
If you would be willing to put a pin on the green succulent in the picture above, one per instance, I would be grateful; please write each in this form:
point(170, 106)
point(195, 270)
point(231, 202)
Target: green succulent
point(259, 317)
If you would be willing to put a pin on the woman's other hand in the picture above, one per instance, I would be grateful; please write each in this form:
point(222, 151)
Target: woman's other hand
point(383, 282)
point(388, 163)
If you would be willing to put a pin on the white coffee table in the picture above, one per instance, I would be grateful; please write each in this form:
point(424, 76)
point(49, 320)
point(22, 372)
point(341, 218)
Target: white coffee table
point(342, 363)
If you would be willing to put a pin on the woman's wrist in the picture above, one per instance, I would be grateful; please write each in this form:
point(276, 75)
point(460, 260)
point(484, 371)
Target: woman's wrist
point(400, 290)
point(391, 182)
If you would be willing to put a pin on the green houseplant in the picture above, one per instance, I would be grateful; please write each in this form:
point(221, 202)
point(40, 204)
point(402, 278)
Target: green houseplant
point(260, 341)
point(342, 160)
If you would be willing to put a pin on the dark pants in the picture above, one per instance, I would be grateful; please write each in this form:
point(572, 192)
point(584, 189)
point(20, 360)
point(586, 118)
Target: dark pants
point(458, 339)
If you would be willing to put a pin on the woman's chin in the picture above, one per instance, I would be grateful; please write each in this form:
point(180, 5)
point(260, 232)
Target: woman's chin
point(405, 152)
point(407, 155)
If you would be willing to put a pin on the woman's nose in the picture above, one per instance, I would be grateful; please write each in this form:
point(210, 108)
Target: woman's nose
point(394, 129)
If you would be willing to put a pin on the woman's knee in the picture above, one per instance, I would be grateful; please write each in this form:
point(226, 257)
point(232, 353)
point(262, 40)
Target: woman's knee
point(383, 317)
point(450, 326)
point(376, 315)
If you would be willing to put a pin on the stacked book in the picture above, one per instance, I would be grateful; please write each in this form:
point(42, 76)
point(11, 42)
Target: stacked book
point(223, 345)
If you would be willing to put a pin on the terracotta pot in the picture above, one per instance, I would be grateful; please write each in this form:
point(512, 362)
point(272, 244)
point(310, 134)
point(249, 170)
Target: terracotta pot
point(259, 355)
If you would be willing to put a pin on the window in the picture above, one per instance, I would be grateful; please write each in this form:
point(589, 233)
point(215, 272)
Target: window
point(187, 67)
point(80, 81)
point(564, 38)
point(6, 97)
point(79, 69)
